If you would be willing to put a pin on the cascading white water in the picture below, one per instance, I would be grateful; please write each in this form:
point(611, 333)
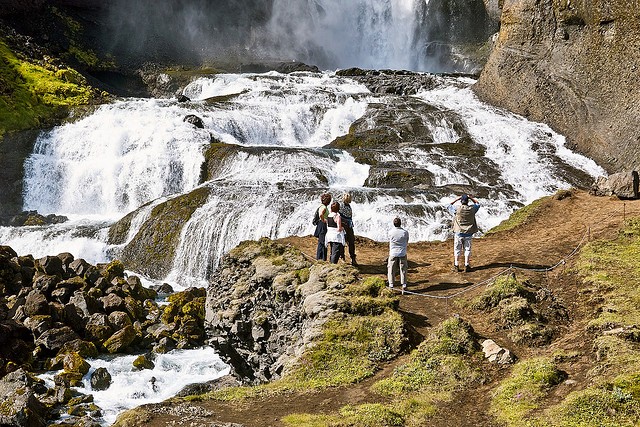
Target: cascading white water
point(126, 154)
point(131, 387)
point(114, 160)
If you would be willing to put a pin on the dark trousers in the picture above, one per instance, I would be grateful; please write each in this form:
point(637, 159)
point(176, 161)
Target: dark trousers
point(321, 251)
point(350, 238)
point(337, 250)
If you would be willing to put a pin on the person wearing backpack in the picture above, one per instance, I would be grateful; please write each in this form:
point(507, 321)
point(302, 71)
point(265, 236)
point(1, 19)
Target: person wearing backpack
point(347, 222)
point(464, 225)
point(320, 221)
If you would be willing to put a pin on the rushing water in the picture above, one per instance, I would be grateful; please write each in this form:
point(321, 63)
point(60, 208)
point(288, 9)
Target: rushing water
point(136, 151)
point(130, 387)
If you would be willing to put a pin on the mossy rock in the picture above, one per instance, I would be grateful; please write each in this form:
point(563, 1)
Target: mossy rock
point(74, 363)
point(32, 95)
point(502, 288)
point(73, 379)
point(152, 250)
point(113, 270)
point(381, 176)
point(513, 311)
point(143, 362)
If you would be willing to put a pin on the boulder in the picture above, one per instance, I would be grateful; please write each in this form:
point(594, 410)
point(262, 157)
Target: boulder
point(496, 354)
point(622, 184)
point(50, 265)
point(194, 120)
point(120, 340)
point(20, 406)
point(113, 302)
point(100, 379)
point(36, 304)
point(53, 339)
point(144, 361)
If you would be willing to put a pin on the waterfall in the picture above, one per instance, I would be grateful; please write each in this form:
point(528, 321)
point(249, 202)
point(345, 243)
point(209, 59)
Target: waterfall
point(362, 33)
point(127, 154)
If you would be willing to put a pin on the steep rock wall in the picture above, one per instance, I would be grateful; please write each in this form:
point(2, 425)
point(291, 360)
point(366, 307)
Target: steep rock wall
point(574, 64)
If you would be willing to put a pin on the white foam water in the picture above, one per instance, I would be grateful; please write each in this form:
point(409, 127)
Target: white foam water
point(131, 387)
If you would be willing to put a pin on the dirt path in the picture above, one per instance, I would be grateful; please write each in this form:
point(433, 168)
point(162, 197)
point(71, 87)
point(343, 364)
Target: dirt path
point(558, 227)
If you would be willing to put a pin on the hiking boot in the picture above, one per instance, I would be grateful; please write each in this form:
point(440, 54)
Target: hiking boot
point(467, 268)
point(354, 263)
point(456, 268)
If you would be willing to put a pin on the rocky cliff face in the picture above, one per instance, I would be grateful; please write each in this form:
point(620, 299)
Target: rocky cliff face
point(573, 65)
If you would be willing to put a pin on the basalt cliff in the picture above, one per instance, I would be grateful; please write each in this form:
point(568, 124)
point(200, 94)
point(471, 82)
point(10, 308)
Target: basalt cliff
point(573, 65)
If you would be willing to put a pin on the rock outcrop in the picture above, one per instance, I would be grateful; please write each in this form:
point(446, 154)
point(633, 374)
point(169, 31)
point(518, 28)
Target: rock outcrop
point(267, 305)
point(622, 184)
point(573, 65)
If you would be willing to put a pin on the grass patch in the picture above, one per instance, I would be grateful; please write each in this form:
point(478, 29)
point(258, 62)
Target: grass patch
point(609, 406)
point(523, 391)
point(612, 270)
point(502, 288)
point(439, 366)
point(349, 351)
point(519, 217)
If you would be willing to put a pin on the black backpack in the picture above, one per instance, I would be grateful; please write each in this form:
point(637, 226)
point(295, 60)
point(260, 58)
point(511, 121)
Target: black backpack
point(316, 218)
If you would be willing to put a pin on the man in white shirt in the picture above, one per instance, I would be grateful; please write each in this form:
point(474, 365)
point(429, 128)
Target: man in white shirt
point(398, 239)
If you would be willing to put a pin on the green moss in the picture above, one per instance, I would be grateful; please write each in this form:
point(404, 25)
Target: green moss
point(112, 270)
point(522, 392)
point(519, 217)
point(598, 406)
point(31, 94)
point(439, 366)
point(348, 352)
point(152, 250)
point(502, 288)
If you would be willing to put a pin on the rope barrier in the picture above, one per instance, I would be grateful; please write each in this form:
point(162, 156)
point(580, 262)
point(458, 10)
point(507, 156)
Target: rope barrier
point(563, 261)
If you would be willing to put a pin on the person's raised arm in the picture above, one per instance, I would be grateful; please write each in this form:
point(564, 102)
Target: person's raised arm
point(338, 218)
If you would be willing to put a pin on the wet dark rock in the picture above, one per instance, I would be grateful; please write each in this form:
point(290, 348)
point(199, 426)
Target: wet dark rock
point(152, 250)
point(30, 218)
point(182, 98)
point(53, 339)
point(50, 265)
point(194, 120)
point(385, 177)
point(100, 379)
point(165, 289)
point(86, 304)
point(20, 406)
point(144, 361)
point(280, 67)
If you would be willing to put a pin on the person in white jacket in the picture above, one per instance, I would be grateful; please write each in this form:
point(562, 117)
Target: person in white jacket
point(398, 240)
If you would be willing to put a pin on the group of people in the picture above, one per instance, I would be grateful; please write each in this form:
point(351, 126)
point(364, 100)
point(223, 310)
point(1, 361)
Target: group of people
point(334, 230)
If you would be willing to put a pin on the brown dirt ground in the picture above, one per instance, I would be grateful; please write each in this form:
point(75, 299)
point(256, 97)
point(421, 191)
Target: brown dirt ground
point(550, 236)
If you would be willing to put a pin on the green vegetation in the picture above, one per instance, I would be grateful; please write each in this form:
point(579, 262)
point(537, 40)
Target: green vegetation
point(612, 270)
point(441, 365)
point(502, 288)
point(519, 217)
point(31, 94)
point(523, 392)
